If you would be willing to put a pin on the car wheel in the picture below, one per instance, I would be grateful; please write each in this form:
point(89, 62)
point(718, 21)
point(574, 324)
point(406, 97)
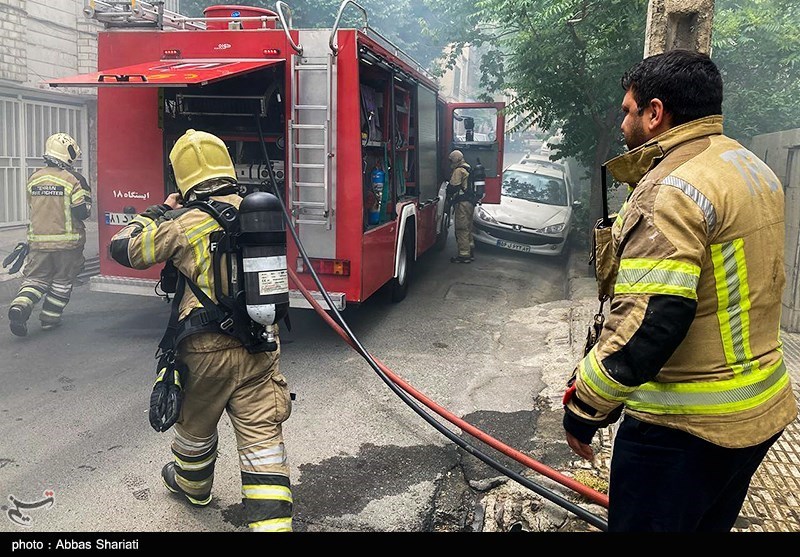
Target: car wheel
point(400, 282)
point(444, 231)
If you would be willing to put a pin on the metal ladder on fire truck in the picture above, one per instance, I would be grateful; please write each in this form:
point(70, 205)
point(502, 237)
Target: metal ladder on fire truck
point(311, 144)
point(130, 13)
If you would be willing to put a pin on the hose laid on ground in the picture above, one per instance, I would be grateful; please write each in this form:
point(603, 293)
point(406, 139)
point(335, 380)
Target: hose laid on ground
point(341, 325)
point(522, 458)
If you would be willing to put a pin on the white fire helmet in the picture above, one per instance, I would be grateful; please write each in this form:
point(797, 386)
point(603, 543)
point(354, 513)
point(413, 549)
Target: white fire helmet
point(62, 147)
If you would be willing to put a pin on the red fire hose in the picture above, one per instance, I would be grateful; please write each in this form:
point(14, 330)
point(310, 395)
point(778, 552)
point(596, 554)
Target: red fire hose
point(586, 491)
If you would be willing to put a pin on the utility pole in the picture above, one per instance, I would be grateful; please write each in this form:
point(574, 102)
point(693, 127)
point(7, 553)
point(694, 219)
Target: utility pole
point(678, 24)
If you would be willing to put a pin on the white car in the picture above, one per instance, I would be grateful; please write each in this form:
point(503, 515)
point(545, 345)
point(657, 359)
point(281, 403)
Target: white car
point(535, 210)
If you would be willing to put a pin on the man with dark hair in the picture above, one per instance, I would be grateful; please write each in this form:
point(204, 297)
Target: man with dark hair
point(691, 347)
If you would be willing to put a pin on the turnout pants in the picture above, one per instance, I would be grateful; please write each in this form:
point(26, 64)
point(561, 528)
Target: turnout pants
point(223, 376)
point(49, 275)
point(463, 226)
point(666, 480)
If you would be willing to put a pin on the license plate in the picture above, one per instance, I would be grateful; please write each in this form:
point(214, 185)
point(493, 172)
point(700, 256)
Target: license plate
point(119, 219)
point(514, 246)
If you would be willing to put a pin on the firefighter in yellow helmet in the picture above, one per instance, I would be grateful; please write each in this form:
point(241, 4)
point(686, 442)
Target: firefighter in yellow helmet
point(463, 204)
point(217, 372)
point(60, 200)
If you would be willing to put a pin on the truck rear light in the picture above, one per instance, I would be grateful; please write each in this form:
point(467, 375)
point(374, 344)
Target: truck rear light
point(272, 51)
point(339, 267)
point(171, 54)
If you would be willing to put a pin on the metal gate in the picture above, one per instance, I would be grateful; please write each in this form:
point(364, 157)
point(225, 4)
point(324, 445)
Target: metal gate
point(25, 124)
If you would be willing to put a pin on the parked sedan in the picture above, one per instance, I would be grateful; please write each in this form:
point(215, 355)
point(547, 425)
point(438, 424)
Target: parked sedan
point(535, 210)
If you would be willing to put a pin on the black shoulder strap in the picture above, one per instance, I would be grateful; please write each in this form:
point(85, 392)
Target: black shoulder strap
point(224, 213)
point(168, 340)
point(227, 217)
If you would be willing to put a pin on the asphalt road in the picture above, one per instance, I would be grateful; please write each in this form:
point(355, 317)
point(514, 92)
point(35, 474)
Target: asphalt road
point(73, 407)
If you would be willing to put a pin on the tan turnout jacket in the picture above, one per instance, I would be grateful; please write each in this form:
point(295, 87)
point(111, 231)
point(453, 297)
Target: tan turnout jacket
point(705, 222)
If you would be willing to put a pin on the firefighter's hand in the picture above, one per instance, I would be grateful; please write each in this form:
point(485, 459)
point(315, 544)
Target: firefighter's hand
point(174, 200)
point(581, 449)
point(166, 399)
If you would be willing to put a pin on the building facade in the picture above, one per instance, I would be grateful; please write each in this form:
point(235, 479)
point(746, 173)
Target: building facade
point(41, 40)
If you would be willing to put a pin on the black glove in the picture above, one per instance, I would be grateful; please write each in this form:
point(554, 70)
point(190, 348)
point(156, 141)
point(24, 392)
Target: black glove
point(452, 190)
point(155, 212)
point(16, 258)
point(167, 395)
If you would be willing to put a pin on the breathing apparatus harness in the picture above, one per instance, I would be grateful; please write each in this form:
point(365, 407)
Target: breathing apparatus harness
point(251, 251)
point(248, 308)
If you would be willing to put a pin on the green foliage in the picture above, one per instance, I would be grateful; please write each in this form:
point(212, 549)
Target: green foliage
point(563, 60)
point(756, 44)
point(401, 22)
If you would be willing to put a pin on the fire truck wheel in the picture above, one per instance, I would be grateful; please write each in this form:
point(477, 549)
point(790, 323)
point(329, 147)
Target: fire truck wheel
point(400, 283)
point(444, 230)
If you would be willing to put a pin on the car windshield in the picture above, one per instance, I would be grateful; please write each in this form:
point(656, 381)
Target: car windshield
point(534, 187)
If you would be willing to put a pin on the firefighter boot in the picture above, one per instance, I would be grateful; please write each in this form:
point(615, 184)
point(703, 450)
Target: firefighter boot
point(18, 318)
point(50, 324)
point(171, 483)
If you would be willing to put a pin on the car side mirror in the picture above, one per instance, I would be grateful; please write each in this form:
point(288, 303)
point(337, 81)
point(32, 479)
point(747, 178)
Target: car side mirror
point(576, 203)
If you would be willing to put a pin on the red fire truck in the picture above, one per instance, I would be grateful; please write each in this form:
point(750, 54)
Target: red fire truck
point(355, 130)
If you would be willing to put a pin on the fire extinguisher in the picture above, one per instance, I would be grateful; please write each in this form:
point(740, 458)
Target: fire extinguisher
point(378, 178)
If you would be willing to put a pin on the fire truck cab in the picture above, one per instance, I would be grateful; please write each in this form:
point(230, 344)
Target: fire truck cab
point(355, 132)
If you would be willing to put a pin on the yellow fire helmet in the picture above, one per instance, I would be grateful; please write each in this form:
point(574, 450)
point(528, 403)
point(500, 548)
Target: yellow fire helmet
point(199, 156)
point(62, 147)
point(456, 157)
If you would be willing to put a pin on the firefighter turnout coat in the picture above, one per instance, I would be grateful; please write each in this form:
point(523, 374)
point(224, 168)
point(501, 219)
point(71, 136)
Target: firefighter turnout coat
point(60, 201)
point(222, 375)
point(692, 339)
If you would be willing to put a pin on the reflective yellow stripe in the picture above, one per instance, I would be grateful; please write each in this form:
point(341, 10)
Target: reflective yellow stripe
point(48, 179)
point(149, 243)
point(205, 501)
point(599, 382)
point(53, 237)
point(274, 492)
point(272, 525)
point(199, 229)
point(733, 305)
point(742, 392)
point(193, 466)
point(78, 196)
point(56, 302)
point(202, 250)
point(196, 485)
point(33, 290)
point(664, 276)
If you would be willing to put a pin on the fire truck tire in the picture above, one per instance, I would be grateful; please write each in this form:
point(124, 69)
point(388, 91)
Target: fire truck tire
point(444, 231)
point(399, 287)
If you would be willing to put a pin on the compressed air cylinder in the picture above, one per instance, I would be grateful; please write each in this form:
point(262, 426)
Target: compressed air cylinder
point(263, 242)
